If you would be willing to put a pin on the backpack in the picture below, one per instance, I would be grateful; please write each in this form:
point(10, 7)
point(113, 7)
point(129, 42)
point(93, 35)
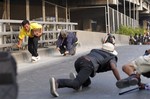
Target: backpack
point(8, 73)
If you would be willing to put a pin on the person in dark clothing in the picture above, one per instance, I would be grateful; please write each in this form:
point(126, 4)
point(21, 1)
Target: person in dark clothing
point(136, 38)
point(98, 60)
point(131, 40)
point(109, 38)
point(66, 42)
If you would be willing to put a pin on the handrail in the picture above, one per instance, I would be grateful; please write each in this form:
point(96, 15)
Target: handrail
point(9, 30)
point(41, 22)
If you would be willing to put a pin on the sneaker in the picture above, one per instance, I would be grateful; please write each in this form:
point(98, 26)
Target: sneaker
point(130, 81)
point(38, 57)
point(53, 87)
point(34, 59)
point(73, 76)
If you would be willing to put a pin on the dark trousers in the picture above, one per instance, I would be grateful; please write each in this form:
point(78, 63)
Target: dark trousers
point(84, 69)
point(33, 45)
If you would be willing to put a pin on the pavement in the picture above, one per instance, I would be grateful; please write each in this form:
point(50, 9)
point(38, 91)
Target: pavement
point(33, 78)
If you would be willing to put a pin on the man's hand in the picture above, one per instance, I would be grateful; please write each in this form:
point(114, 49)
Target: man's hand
point(18, 45)
point(67, 52)
point(57, 48)
point(36, 32)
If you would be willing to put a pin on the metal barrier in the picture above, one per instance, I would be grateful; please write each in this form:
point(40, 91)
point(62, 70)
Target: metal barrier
point(9, 30)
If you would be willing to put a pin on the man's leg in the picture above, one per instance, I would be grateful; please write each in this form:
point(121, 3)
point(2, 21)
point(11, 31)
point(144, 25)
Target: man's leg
point(128, 69)
point(82, 76)
point(87, 83)
point(79, 63)
point(62, 49)
point(32, 48)
point(73, 49)
point(35, 46)
point(133, 79)
point(30, 45)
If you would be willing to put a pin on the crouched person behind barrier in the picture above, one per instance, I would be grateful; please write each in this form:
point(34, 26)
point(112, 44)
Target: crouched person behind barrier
point(67, 42)
point(8, 80)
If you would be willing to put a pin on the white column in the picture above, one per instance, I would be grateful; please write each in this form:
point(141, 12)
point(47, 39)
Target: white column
point(27, 10)
point(43, 9)
point(108, 17)
point(134, 15)
point(130, 12)
point(117, 15)
point(124, 7)
point(8, 9)
point(1, 31)
point(56, 13)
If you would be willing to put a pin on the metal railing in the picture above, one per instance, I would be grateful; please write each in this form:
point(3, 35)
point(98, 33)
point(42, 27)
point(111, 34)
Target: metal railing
point(9, 30)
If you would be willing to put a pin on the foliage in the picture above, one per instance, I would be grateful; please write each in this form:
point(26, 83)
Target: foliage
point(127, 30)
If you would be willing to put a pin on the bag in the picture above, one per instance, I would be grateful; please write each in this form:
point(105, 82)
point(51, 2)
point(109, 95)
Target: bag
point(8, 73)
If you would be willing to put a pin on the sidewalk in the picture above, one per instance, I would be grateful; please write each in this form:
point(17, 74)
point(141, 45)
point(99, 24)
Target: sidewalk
point(48, 56)
point(33, 78)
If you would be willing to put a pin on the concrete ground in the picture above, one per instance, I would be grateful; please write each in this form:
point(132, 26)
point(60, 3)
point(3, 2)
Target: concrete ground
point(33, 78)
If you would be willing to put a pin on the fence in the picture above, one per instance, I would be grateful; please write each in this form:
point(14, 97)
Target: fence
point(9, 30)
point(116, 19)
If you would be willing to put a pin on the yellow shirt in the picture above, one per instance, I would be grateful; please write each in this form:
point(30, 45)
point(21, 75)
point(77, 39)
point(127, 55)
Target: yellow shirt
point(24, 33)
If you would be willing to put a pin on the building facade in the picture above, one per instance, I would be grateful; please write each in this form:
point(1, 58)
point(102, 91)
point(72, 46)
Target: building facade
point(91, 15)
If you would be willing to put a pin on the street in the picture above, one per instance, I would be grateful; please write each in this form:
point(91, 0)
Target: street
point(33, 78)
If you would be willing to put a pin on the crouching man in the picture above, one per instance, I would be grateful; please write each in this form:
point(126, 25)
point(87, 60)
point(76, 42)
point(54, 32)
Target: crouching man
point(66, 43)
point(98, 60)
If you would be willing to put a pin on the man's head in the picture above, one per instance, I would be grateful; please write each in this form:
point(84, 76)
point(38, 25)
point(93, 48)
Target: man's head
point(26, 25)
point(108, 47)
point(63, 33)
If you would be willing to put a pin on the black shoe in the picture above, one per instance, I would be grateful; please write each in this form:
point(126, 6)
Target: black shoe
point(130, 81)
point(73, 76)
point(53, 87)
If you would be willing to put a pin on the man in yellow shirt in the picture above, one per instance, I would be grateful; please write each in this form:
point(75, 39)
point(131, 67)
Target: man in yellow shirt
point(33, 31)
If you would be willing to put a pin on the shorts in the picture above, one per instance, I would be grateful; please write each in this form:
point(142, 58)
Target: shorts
point(142, 64)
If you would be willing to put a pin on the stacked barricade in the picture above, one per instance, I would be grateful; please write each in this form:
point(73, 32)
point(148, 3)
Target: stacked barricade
point(9, 30)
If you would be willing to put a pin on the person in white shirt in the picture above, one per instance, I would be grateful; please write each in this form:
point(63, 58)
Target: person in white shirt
point(136, 68)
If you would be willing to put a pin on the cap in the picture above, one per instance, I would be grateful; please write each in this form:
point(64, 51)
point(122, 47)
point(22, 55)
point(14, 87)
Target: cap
point(109, 48)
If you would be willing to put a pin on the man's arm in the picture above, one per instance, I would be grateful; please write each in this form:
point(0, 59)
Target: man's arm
point(19, 43)
point(115, 70)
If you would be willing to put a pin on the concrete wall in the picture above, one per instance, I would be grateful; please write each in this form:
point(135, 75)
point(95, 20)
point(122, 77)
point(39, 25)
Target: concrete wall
point(86, 39)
